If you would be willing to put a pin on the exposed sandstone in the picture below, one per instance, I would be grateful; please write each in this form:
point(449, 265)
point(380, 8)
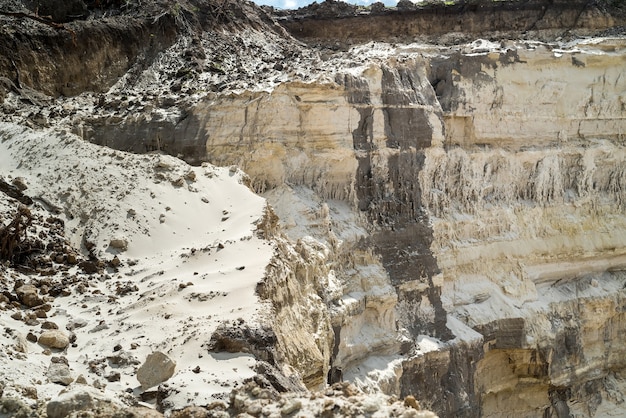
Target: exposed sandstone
point(407, 149)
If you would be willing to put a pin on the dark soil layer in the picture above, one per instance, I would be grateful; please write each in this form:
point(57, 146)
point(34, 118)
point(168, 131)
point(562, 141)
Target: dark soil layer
point(66, 53)
point(329, 22)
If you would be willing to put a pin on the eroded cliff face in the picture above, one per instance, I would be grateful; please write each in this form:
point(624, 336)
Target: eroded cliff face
point(527, 203)
point(472, 205)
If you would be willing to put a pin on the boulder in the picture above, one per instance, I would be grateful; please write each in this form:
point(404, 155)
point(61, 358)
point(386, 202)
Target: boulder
point(157, 368)
point(54, 338)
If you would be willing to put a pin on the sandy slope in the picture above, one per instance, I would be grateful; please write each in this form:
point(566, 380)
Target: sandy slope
point(192, 261)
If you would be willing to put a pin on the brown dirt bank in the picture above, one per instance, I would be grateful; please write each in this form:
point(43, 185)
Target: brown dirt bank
point(90, 53)
point(337, 23)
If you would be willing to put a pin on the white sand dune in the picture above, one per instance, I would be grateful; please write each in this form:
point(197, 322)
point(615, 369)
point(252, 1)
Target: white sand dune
point(192, 255)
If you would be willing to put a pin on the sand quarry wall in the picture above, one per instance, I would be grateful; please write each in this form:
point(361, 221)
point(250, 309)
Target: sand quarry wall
point(464, 209)
point(458, 213)
point(489, 189)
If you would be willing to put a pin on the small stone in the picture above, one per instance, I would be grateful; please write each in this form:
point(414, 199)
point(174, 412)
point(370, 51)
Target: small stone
point(60, 360)
point(59, 373)
point(411, 402)
point(115, 262)
point(123, 358)
point(89, 267)
point(79, 399)
point(190, 175)
point(31, 322)
point(45, 307)
point(291, 407)
point(49, 325)
point(30, 392)
point(196, 369)
point(31, 337)
point(157, 368)
point(40, 313)
point(54, 339)
point(81, 380)
point(76, 323)
point(254, 409)
point(27, 294)
point(21, 343)
point(71, 259)
point(119, 244)
point(17, 316)
point(117, 347)
point(114, 377)
point(20, 183)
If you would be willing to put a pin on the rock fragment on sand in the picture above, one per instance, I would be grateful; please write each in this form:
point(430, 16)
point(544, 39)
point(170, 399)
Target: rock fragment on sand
point(120, 244)
point(21, 343)
point(27, 294)
point(54, 339)
point(157, 368)
point(291, 406)
point(59, 373)
point(81, 398)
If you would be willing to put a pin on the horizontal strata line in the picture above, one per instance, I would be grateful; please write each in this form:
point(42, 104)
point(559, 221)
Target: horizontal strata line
point(551, 272)
point(391, 106)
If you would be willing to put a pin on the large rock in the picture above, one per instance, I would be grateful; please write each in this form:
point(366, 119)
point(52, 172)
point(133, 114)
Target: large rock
point(80, 398)
point(54, 338)
point(157, 368)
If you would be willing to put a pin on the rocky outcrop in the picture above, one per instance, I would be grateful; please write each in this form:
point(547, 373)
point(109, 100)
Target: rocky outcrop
point(297, 284)
point(449, 218)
